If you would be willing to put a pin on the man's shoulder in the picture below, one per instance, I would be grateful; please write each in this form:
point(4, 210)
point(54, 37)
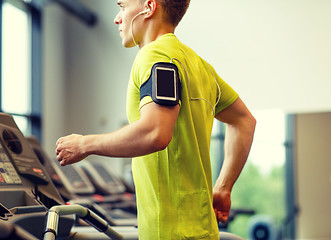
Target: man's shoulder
point(156, 51)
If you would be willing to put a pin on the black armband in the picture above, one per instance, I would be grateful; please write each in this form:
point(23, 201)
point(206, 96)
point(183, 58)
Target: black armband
point(163, 85)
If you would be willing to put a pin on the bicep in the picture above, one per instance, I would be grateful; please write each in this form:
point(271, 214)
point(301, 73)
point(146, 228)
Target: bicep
point(160, 118)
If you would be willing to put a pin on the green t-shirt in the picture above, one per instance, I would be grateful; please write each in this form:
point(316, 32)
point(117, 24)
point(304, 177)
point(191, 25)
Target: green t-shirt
point(174, 186)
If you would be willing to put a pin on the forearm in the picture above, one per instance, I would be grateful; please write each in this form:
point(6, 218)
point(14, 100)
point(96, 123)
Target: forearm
point(237, 145)
point(133, 140)
point(151, 133)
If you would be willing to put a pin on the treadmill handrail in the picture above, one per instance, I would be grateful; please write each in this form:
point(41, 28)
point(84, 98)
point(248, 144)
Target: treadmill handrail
point(86, 214)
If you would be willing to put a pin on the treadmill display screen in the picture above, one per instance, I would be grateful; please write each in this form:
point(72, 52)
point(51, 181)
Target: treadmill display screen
point(73, 176)
point(8, 174)
point(104, 174)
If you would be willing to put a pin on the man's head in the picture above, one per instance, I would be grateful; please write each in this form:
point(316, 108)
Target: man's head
point(173, 10)
point(143, 12)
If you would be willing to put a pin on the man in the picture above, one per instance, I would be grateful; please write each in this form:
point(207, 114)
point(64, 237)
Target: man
point(169, 134)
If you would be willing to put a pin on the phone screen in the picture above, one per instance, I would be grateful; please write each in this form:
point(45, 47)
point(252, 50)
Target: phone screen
point(165, 84)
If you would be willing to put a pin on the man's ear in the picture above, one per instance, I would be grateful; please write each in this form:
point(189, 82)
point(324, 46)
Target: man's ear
point(150, 6)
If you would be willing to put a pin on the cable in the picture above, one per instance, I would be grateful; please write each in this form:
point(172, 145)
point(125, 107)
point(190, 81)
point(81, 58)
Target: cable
point(189, 92)
point(134, 18)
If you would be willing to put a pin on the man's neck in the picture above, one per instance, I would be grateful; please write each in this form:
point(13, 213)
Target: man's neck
point(154, 30)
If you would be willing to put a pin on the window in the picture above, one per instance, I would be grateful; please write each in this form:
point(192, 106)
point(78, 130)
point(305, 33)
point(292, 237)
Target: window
point(264, 182)
point(20, 65)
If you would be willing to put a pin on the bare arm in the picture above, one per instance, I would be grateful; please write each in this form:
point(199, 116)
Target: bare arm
point(240, 127)
point(151, 133)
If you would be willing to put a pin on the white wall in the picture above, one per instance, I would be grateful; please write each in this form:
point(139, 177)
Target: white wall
point(97, 72)
point(313, 171)
point(275, 53)
point(86, 74)
point(54, 76)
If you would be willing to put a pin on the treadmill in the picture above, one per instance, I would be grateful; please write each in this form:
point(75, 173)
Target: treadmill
point(75, 187)
point(27, 195)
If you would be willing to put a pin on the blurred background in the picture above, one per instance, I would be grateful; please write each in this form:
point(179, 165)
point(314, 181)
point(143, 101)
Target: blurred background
point(64, 70)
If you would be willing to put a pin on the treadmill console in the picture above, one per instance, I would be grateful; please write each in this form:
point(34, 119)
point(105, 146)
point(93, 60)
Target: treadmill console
point(105, 181)
point(22, 157)
point(20, 169)
point(8, 174)
point(70, 180)
point(74, 179)
point(47, 164)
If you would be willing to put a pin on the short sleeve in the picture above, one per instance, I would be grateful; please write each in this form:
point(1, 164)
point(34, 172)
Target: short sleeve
point(228, 94)
point(142, 67)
